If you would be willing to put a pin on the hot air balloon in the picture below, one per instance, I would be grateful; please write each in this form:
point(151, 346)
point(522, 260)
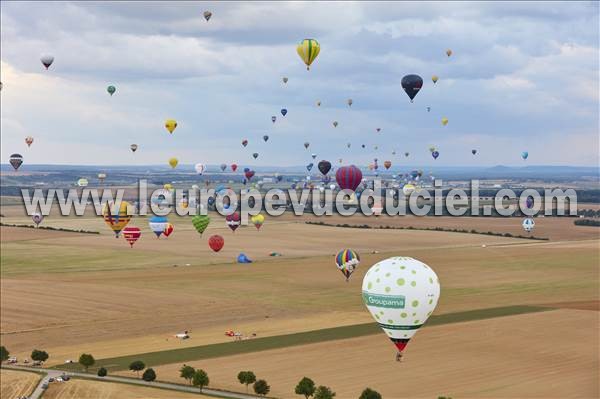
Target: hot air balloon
point(233, 221)
point(200, 223)
point(378, 129)
point(131, 234)
point(223, 167)
point(16, 160)
point(309, 166)
point(350, 102)
point(324, 167)
point(283, 111)
point(346, 261)
point(133, 147)
point(244, 142)
point(255, 155)
point(168, 186)
point(313, 156)
point(308, 50)
point(83, 182)
point(158, 224)
point(335, 123)
point(47, 60)
point(362, 145)
point(115, 218)
point(473, 151)
point(242, 258)
point(207, 15)
point(111, 90)
point(529, 202)
point(448, 52)
point(318, 103)
point(199, 167)
point(434, 79)
point(408, 189)
point(428, 109)
point(528, 225)
point(306, 145)
point(406, 154)
point(173, 162)
point(170, 125)
point(257, 221)
point(348, 145)
point(435, 154)
point(37, 218)
point(387, 164)
point(265, 138)
point(249, 174)
point(444, 121)
point(216, 242)
point(524, 155)
point(233, 167)
point(28, 141)
point(400, 293)
point(101, 177)
point(411, 85)
point(285, 79)
point(273, 118)
point(348, 177)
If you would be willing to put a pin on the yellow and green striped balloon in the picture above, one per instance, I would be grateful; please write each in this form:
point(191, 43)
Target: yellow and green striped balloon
point(308, 50)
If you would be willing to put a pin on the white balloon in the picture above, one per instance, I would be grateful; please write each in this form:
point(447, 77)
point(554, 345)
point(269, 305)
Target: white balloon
point(528, 224)
point(400, 293)
point(408, 189)
point(200, 168)
point(47, 60)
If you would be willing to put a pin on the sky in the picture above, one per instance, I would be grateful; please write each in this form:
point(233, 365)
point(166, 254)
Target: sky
point(523, 76)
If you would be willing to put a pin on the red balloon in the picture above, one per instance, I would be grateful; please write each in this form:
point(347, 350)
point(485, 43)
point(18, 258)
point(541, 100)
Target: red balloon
point(168, 230)
point(348, 177)
point(233, 221)
point(249, 174)
point(234, 167)
point(131, 234)
point(216, 242)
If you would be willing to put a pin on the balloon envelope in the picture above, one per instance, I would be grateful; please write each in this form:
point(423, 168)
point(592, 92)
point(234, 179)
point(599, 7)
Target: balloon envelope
point(400, 293)
point(411, 85)
point(308, 50)
point(16, 160)
point(170, 125)
point(324, 167)
point(348, 177)
point(347, 261)
point(216, 242)
point(131, 234)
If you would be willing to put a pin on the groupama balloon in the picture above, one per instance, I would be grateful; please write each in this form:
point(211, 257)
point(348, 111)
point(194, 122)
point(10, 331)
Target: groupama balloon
point(308, 50)
point(346, 261)
point(411, 85)
point(400, 293)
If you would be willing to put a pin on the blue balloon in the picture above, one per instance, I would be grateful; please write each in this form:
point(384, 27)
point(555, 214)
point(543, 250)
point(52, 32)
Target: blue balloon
point(309, 166)
point(283, 111)
point(524, 154)
point(242, 258)
point(246, 170)
point(211, 200)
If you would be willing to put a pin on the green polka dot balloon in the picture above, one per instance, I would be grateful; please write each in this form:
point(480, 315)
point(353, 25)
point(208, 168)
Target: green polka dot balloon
point(400, 293)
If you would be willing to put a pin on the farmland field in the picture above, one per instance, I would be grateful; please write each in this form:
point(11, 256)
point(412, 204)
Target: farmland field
point(17, 383)
point(70, 293)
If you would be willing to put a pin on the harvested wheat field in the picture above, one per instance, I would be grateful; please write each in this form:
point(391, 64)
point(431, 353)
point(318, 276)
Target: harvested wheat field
point(17, 383)
point(552, 354)
point(86, 389)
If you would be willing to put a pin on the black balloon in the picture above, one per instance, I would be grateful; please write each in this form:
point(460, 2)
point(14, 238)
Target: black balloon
point(411, 85)
point(324, 167)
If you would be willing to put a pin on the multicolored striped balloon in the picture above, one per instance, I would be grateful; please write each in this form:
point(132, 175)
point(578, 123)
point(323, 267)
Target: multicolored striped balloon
point(308, 50)
point(131, 234)
point(346, 261)
point(116, 219)
point(348, 177)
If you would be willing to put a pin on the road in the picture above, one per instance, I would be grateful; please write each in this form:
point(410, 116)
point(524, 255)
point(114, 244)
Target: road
point(37, 393)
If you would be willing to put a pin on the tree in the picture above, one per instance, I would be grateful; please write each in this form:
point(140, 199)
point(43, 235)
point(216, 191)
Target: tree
point(4, 353)
point(102, 372)
point(39, 356)
point(324, 392)
point(305, 387)
point(261, 387)
point(149, 375)
point(200, 379)
point(246, 378)
point(368, 393)
point(137, 366)
point(187, 372)
point(86, 360)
